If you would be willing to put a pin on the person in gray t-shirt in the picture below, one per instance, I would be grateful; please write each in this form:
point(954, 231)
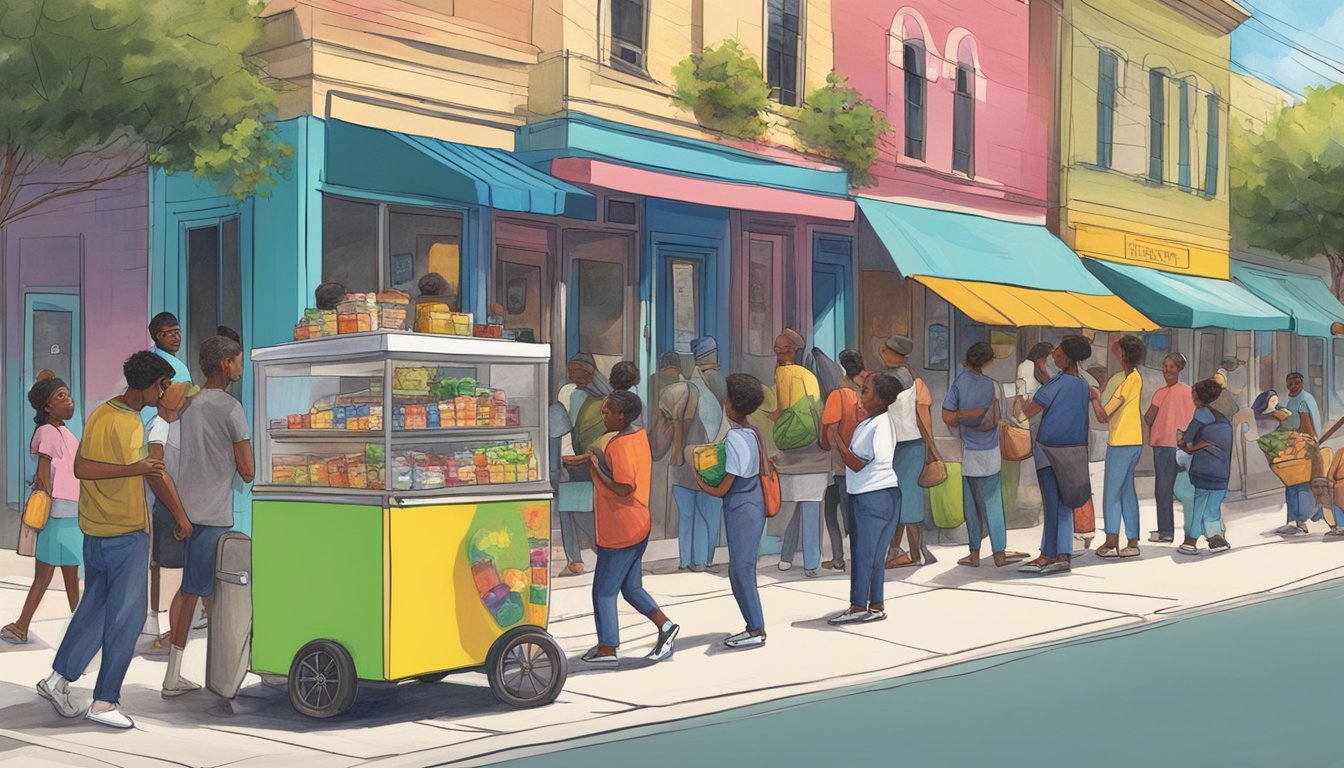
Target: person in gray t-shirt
point(214, 444)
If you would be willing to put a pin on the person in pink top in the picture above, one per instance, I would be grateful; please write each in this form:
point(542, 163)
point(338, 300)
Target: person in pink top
point(60, 543)
point(1171, 410)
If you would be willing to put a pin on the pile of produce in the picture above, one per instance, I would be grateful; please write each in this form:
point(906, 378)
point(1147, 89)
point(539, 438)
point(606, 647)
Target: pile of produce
point(1290, 454)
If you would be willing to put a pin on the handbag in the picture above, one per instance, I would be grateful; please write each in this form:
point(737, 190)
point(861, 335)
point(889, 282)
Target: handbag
point(933, 474)
point(38, 510)
point(1014, 442)
point(27, 541)
point(1071, 473)
point(769, 480)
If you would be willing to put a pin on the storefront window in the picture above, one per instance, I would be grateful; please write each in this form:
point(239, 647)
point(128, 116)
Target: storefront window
point(1236, 361)
point(1315, 372)
point(214, 287)
point(1337, 378)
point(1158, 346)
point(937, 351)
point(518, 289)
point(1264, 360)
point(420, 242)
point(350, 243)
point(761, 298)
point(597, 311)
point(1209, 347)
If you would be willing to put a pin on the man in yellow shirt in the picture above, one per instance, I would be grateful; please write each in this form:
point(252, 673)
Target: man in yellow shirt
point(1121, 413)
point(112, 466)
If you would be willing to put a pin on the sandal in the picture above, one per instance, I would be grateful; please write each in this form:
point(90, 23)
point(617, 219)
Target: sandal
point(902, 561)
point(1129, 552)
point(159, 647)
point(1109, 553)
point(10, 634)
point(971, 561)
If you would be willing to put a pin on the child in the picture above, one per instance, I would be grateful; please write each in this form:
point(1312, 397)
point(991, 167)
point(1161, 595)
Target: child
point(874, 497)
point(329, 295)
point(621, 483)
point(1208, 440)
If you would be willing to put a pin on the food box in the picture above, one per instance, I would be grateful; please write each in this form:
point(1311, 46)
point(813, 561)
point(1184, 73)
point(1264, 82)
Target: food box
point(710, 461)
point(462, 323)
point(317, 471)
point(411, 381)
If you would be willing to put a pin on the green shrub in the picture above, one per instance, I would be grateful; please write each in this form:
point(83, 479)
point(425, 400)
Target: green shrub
point(725, 90)
point(837, 122)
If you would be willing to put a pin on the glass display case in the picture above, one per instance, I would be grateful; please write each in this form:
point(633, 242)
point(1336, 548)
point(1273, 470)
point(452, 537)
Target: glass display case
point(402, 415)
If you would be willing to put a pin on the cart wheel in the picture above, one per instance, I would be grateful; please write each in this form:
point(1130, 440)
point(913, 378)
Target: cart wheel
point(526, 668)
point(322, 680)
point(434, 677)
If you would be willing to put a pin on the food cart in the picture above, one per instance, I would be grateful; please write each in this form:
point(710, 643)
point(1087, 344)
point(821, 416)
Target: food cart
point(400, 522)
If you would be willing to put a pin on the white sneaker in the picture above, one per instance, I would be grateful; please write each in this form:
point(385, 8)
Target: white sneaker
point(151, 627)
point(59, 698)
point(111, 717)
point(178, 687)
point(849, 617)
point(785, 565)
point(744, 640)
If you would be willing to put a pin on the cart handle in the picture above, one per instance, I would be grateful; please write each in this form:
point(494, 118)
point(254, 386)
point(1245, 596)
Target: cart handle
point(241, 578)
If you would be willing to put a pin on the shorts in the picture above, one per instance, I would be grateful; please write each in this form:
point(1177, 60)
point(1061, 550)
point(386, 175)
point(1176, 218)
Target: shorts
point(166, 551)
point(61, 543)
point(198, 560)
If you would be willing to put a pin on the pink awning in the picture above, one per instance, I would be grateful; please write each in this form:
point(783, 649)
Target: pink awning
point(723, 194)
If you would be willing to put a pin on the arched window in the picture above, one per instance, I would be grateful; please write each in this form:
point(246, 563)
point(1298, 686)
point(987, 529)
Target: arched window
point(1108, 69)
point(1185, 95)
point(1157, 124)
point(912, 60)
point(963, 109)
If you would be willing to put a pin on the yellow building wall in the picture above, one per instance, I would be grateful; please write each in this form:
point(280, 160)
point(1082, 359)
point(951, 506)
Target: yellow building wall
point(1117, 213)
point(1256, 102)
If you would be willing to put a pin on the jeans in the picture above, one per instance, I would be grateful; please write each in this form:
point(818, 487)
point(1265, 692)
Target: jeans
point(618, 573)
point(1207, 516)
point(909, 464)
point(1165, 470)
point(1120, 501)
point(572, 525)
point(1301, 504)
point(744, 523)
point(984, 496)
point(700, 515)
point(807, 515)
point(1057, 527)
point(110, 614)
point(837, 506)
point(875, 521)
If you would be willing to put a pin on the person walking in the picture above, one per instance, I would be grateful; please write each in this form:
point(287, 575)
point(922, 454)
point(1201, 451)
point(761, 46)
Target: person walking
point(803, 470)
point(621, 480)
point(843, 411)
point(1120, 500)
point(743, 504)
point(215, 447)
point(912, 418)
point(1062, 404)
point(60, 543)
point(677, 426)
point(875, 495)
point(574, 505)
point(1172, 408)
point(973, 407)
point(112, 466)
point(1301, 414)
point(1208, 440)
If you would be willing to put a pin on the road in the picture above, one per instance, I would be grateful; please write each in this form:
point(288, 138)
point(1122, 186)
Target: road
point(1255, 685)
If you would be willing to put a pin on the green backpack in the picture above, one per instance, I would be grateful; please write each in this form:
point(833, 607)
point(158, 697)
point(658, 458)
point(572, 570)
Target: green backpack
point(797, 425)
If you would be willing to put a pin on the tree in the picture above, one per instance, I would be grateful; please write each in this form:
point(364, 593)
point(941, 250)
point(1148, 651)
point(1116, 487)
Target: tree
point(725, 89)
point(1288, 182)
point(107, 88)
point(837, 122)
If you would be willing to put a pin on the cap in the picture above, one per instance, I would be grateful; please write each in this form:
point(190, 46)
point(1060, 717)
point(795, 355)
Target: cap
point(704, 347)
point(901, 345)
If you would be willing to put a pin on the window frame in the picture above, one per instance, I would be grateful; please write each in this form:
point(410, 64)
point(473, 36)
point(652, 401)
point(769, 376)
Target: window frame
point(1213, 151)
point(1157, 125)
point(462, 282)
point(800, 35)
point(613, 58)
point(1185, 126)
point(913, 52)
point(965, 97)
point(229, 310)
point(1106, 106)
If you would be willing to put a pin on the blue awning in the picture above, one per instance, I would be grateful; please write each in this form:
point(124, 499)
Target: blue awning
point(1186, 301)
point(1305, 298)
point(375, 160)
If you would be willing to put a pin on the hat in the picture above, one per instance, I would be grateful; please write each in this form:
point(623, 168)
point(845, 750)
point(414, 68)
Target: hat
point(794, 337)
point(704, 347)
point(584, 360)
point(901, 345)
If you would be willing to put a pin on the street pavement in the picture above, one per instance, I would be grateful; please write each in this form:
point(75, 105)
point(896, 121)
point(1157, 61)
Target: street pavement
point(940, 615)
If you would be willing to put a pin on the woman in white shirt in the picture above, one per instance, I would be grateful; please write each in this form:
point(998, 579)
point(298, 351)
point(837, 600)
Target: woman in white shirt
point(875, 498)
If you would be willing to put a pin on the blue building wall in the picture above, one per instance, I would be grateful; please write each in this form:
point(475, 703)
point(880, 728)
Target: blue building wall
point(692, 232)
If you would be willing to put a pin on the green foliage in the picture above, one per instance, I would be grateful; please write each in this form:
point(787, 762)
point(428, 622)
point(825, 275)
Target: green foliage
point(837, 122)
point(1288, 182)
point(724, 87)
point(168, 83)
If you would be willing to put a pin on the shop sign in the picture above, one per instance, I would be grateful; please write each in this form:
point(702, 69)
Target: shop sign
point(1156, 253)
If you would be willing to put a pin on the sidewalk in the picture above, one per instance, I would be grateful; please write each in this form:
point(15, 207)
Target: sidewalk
point(940, 615)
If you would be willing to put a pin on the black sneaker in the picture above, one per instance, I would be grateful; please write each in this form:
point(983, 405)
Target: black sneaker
point(1219, 544)
point(595, 656)
point(666, 638)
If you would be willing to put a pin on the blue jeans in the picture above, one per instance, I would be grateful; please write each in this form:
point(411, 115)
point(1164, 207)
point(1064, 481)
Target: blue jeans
point(875, 520)
point(744, 523)
point(909, 464)
point(572, 525)
point(1057, 528)
point(110, 614)
point(836, 506)
point(984, 496)
point(1165, 470)
point(618, 573)
point(1301, 504)
point(1120, 501)
point(807, 515)
point(700, 516)
point(1207, 517)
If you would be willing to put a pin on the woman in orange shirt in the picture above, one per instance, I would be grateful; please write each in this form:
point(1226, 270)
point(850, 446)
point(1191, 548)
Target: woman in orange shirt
point(621, 482)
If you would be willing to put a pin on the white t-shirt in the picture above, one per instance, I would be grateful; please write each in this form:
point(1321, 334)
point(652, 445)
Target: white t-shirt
point(874, 441)
point(170, 437)
point(742, 456)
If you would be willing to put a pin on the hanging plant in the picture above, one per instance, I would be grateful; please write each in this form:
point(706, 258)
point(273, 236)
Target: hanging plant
point(837, 122)
point(725, 90)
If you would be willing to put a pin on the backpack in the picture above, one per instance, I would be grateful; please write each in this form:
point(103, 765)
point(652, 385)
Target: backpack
point(769, 480)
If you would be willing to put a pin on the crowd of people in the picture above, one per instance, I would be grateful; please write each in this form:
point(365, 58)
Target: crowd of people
point(186, 444)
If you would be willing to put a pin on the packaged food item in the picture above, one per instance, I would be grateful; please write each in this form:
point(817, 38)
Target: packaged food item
point(283, 469)
point(295, 421)
point(337, 476)
point(462, 323)
point(278, 424)
point(393, 309)
point(401, 473)
point(357, 470)
point(376, 418)
point(512, 416)
point(411, 381)
point(317, 471)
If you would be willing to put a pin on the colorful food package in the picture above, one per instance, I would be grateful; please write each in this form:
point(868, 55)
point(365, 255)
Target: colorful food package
point(327, 322)
point(323, 420)
point(356, 469)
point(317, 472)
point(711, 462)
point(402, 473)
point(295, 421)
point(282, 469)
point(393, 309)
point(337, 475)
point(375, 418)
point(512, 416)
point(301, 471)
point(433, 317)
point(411, 381)
point(462, 323)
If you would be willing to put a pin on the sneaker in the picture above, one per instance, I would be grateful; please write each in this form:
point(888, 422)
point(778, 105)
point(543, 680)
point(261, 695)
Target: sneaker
point(1186, 549)
point(1288, 530)
point(1030, 567)
point(875, 616)
point(811, 573)
point(1055, 567)
point(663, 648)
point(593, 656)
point(59, 698)
point(744, 640)
point(111, 717)
point(1158, 537)
point(692, 568)
point(785, 565)
point(1219, 545)
point(850, 617)
point(179, 687)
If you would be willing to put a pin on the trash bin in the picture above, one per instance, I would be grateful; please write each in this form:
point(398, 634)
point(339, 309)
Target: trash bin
point(229, 647)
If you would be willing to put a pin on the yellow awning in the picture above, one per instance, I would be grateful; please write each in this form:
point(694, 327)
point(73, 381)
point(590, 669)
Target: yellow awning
point(998, 304)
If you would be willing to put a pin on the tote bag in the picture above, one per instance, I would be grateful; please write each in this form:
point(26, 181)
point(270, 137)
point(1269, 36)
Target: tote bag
point(1071, 472)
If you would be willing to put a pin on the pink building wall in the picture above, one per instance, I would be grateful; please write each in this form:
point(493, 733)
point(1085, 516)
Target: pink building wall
point(1011, 125)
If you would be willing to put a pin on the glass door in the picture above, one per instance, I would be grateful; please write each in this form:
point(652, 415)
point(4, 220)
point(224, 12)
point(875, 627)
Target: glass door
point(763, 315)
point(600, 313)
point(51, 340)
point(521, 289)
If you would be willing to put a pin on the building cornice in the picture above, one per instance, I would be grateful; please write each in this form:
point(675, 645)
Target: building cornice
point(1221, 15)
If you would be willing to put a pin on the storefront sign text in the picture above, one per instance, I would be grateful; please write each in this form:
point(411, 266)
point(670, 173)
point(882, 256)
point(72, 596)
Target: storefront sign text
point(1156, 253)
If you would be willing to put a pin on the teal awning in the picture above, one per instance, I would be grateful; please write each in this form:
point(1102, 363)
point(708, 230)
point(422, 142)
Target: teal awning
point(374, 160)
point(1305, 298)
point(1185, 301)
